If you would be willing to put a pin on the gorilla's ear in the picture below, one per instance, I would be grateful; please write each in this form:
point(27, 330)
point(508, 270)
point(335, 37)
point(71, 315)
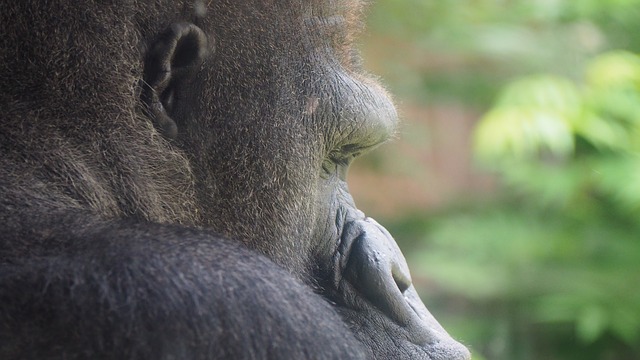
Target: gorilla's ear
point(170, 62)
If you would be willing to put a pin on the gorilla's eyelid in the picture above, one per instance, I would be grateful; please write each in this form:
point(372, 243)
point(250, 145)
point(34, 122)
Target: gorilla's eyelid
point(354, 150)
point(341, 158)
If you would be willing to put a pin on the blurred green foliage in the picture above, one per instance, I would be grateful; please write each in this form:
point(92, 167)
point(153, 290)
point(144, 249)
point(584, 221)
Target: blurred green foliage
point(550, 267)
point(468, 49)
point(568, 249)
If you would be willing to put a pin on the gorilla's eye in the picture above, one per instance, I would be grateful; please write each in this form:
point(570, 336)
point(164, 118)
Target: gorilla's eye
point(338, 161)
point(335, 168)
point(329, 168)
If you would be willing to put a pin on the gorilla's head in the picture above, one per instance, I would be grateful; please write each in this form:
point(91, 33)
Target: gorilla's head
point(240, 116)
point(271, 104)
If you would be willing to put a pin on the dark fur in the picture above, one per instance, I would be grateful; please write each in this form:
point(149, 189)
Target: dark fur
point(120, 183)
point(145, 291)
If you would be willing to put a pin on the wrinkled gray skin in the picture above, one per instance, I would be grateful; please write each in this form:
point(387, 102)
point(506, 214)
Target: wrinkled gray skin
point(134, 133)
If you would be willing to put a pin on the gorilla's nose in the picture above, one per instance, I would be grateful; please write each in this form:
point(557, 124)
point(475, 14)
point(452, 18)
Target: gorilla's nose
point(376, 268)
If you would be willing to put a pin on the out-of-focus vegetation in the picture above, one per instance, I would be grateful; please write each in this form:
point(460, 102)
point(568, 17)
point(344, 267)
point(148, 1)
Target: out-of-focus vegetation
point(546, 264)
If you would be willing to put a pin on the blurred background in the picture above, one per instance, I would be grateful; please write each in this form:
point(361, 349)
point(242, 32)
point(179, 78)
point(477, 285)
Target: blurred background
point(513, 186)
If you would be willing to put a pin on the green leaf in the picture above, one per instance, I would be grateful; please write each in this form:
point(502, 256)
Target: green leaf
point(591, 323)
point(619, 177)
point(543, 92)
point(532, 116)
point(614, 69)
point(513, 132)
point(602, 133)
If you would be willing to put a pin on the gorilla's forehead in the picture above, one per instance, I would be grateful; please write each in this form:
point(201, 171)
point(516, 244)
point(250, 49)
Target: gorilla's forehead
point(289, 12)
point(304, 57)
point(337, 6)
point(328, 5)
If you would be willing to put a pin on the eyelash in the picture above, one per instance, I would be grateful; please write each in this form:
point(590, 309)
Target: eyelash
point(337, 160)
point(330, 165)
point(342, 160)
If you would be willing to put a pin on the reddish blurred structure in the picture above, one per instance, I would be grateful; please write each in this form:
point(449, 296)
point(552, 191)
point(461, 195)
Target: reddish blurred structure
point(417, 175)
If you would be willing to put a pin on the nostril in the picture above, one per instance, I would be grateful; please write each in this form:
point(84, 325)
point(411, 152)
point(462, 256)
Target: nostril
point(402, 279)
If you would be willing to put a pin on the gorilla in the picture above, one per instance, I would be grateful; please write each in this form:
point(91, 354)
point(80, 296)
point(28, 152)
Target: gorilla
point(172, 186)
